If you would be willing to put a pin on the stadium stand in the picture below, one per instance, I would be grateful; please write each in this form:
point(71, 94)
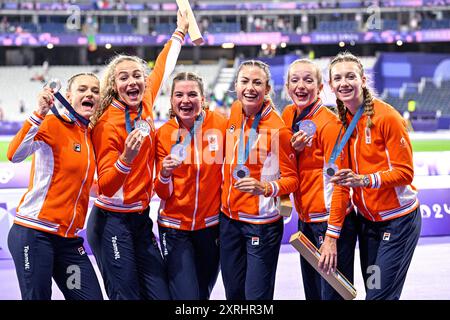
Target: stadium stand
point(428, 97)
point(26, 89)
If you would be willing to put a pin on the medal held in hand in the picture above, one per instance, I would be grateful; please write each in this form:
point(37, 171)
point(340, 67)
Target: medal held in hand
point(331, 169)
point(143, 127)
point(178, 152)
point(307, 126)
point(54, 84)
point(179, 149)
point(240, 172)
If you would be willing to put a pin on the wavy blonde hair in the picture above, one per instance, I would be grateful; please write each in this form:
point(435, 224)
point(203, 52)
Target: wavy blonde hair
point(367, 93)
point(108, 83)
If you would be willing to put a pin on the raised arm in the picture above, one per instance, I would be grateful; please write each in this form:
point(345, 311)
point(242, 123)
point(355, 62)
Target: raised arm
point(26, 141)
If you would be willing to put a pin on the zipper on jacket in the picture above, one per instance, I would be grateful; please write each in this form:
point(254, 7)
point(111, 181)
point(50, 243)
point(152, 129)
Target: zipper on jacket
point(232, 161)
point(82, 184)
point(357, 171)
point(197, 182)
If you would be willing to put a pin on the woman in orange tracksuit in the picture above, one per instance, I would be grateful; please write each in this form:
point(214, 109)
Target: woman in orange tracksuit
point(43, 240)
point(379, 170)
point(259, 167)
point(189, 187)
point(313, 196)
point(119, 228)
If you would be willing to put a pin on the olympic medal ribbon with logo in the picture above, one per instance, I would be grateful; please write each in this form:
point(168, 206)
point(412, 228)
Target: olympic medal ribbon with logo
point(241, 171)
point(179, 149)
point(308, 126)
point(130, 127)
point(55, 85)
point(331, 168)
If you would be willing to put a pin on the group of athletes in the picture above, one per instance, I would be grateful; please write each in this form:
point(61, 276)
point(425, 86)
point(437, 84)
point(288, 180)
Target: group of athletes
point(219, 180)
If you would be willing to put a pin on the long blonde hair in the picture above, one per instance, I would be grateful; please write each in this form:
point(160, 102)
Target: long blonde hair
point(367, 93)
point(108, 84)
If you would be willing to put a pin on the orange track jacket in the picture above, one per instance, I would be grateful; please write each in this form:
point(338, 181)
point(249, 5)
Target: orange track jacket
point(271, 159)
point(125, 187)
point(190, 198)
point(61, 176)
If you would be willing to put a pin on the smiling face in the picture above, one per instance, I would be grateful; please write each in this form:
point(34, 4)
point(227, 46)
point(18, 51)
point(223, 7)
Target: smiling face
point(303, 84)
point(347, 83)
point(84, 95)
point(187, 100)
point(129, 81)
point(251, 87)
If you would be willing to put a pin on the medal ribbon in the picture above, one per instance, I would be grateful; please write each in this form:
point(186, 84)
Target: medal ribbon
point(197, 124)
point(128, 119)
point(305, 112)
point(69, 108)
point(242, 158)
point(339, 145)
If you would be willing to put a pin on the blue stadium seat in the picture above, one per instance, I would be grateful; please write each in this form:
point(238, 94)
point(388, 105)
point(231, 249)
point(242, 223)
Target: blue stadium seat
point(337, 26)
point(108, 28)
point(390, 24)
point(53, 27)
point(125, 28)
point(435, 24)
point(165, 28)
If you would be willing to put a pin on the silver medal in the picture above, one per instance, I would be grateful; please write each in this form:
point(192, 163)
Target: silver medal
point(178, 152)
point(143, 127)
point(54, 84)
point(240, 172)
point(331, 169)
point(307, 126)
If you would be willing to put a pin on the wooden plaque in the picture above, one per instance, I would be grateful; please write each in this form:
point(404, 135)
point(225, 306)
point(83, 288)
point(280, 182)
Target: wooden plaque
point(336, 279)
point(194, 31)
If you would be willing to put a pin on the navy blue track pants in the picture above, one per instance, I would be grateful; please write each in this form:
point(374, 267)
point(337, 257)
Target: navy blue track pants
point(249, 257)
point(40, 256)
point(192, 260)
point(128, 255)
point(315, 286)
point(386, 250)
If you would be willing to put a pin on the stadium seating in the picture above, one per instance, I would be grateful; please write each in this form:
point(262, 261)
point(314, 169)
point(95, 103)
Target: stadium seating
point(436, 24)
point(209, 73)
point(337, 26)
point(429, 96)
point(26, 89)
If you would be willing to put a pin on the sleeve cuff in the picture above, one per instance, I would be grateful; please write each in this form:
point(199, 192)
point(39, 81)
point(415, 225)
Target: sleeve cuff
point(375, 180)
point(35, 119)
point(178, 35)
point(163, 179)
point(122, 167)
point(333, 231)
point(275, 189)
